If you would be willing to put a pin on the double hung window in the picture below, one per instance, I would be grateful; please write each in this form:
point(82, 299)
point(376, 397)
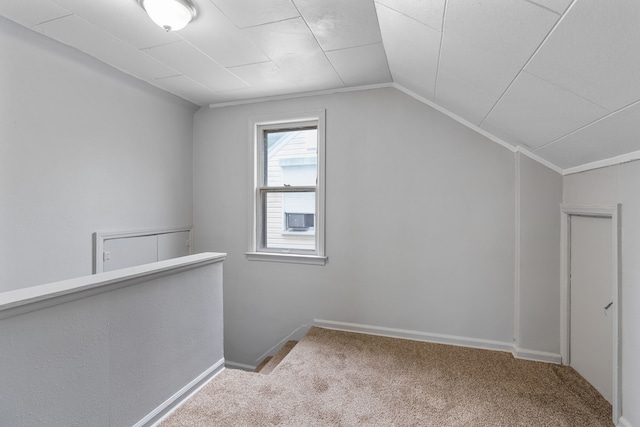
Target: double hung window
point(287, 188)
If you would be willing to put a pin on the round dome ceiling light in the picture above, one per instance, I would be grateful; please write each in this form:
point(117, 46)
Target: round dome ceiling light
point(171, 15)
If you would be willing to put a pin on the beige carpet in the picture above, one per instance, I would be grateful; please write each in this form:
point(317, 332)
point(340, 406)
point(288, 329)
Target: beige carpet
point(334, 378)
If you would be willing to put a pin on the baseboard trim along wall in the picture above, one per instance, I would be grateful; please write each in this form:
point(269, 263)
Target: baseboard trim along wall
point(242, 366)
point(415, 335)
point(296, 335)
point(538, 356)
point(622, 422)
point(172, 403)
point(519, 353)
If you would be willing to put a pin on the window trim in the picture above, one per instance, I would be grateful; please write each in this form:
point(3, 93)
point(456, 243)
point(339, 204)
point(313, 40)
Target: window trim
point(256, 126)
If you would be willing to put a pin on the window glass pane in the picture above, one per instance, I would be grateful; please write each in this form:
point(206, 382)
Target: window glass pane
point(291, 157)
point(290, 220)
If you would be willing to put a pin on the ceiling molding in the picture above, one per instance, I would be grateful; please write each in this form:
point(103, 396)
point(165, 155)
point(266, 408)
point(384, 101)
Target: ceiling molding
point(301, 95)
point(629, 157)
point(612, 161)
point(456, 118)
point(539, 159)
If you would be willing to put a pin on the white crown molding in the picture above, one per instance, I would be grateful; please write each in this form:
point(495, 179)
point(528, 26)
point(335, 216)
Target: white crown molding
point(612, 161)
point(455, 117)
point(514, 149)
point(301, 95)
point(539, 159)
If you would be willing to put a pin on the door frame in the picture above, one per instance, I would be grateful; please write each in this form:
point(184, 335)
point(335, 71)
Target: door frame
point(600, 211)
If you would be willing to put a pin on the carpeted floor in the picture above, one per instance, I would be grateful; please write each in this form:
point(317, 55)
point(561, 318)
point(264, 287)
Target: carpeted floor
point(333, 378)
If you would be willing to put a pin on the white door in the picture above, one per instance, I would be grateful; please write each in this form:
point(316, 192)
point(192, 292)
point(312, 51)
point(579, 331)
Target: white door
point(591, 345)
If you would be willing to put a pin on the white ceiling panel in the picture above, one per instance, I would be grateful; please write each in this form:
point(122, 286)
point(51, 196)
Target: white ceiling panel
point(339, 24)
point(559, 6)
point(214, 34)
point(412, 49)
point(614, 135)
point(541, 112)
point(535, 73)
point(264, 75)
point(308, 66)
point(248, 13)
point(466, 101)
point(31, 12)
point(349, 64)
point(505, 135)
point(284, 38)
point(186, 88)
point(571, 153)
point(594, 53)
point(293, 48)
point(429, 12)
point(320, 84)
point(188, 60)
point(486, 43)
point(90, 39)
point(124, 19)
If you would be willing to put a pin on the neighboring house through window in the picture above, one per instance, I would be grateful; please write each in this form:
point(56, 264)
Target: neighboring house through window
point(288, 188)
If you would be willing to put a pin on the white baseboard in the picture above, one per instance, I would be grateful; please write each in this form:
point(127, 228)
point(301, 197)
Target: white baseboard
point(415, 335)
point(623, 422)
point(235, 365)
point(172, 403)
point(295, 336)
point(537, 356)
point(519, 353)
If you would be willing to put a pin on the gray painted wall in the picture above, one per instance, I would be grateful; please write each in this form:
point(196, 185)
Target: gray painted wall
point(620, 184)
point(420, 224)
point(540, 196)
point(83, 147)
point(111, 359)
point(421, 210)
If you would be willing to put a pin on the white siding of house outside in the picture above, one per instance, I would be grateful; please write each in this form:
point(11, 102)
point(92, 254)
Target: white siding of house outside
point(292, 161)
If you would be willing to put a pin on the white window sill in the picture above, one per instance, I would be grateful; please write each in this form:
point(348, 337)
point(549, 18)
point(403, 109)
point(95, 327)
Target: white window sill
point(299, 233)
point(290, 258)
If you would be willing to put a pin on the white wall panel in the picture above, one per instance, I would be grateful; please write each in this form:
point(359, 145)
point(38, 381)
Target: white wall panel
point(83, 147)
point(538, 310)
point(420, 224)
point(173, 245)
point(129, 252)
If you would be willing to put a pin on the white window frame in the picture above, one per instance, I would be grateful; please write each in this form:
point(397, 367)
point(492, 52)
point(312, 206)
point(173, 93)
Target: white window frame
point(256, 127)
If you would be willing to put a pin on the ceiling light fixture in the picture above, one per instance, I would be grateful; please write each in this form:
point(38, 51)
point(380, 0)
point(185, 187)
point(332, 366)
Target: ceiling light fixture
point(172, 15)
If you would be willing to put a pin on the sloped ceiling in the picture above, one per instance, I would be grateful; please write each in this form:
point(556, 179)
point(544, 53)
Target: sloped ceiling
point(559, 78)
